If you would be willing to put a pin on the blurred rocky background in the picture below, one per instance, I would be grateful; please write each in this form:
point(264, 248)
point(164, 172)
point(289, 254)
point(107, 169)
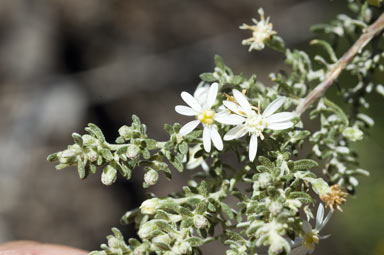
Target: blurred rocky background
point(64, 63)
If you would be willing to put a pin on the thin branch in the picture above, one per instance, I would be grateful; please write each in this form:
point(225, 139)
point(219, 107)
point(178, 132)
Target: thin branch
point(339, 66)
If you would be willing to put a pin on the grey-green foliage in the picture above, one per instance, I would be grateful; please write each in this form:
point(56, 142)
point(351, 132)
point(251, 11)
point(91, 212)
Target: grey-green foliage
point(274, 190)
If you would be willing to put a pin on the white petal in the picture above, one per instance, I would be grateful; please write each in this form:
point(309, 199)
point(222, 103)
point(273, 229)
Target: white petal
point(233, 107)
point(274, 106)
point(307, 227)
point(301, 250)
point(280, 125)
point(185, 110)
point(189, 127)
point(212, 95)
point(252, 147)
point(191, 101)
point(235, 132)
point(205, 166)
point(229, 119)
point(325, 221)
point(242, 100)
point(319, 216)
point(281, 117)
point(216, 138)
point(207, 139)
point(201, 94)
point(324, 237)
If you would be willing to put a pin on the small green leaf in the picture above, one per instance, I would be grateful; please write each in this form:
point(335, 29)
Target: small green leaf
point(327, 47)
point(77, 138)
point(150, 144)
point(183, 148)
point(237, 79)
point(227, 210)
point(81, 168)
point(195, 241)
point(203, 189)
point(202, 207)
point(337, 110)
point(95, 131)
point(266, 162)
point(107, 154)
point(61, 166)
point(305, 164)
point(52, 157)
point(219, 62)
point(185, 212)
point(208, 77)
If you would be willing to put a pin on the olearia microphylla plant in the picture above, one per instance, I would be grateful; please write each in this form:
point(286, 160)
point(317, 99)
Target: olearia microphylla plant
point(261, 128)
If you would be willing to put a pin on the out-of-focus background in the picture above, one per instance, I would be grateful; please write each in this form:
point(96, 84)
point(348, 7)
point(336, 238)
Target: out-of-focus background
point(64, 63)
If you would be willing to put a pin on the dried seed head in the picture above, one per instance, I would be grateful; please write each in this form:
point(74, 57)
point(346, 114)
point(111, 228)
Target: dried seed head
point(334, 197)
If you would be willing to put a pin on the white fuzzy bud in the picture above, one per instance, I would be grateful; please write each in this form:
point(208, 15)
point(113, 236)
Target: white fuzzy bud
point(151, 177)
point(162, 239)
point(92, 155)
point(183, 248)
point(113, 242)
point(125, 132)
point(275, 208)
point(89, 140)
point(132, 151)
point(264, 180)
point(150, 206)
point(200, 221)
point(109, 175)
point(353, 134)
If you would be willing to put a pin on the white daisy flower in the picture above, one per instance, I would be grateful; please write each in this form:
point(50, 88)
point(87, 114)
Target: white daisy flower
point(261, 31)
point(200, 106)
point(254, 122)
point(311, 236)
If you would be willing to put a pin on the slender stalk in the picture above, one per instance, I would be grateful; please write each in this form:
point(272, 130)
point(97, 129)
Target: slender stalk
point(340, 65)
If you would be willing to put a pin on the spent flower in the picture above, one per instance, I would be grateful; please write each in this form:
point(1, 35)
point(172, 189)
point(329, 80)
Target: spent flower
point(261, 31)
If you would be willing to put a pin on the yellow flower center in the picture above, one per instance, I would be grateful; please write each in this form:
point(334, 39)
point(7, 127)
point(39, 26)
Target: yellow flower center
point(256, 124)
point(206, 117)
point(310, 239)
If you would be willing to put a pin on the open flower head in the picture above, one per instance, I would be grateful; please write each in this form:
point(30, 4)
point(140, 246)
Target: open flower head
point(254, 122)
point(261, 31)
point(306, 243)
point(201, 107)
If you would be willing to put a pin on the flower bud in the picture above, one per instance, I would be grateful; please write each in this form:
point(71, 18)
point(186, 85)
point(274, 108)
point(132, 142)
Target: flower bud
point(353, 134)
point(109, 175)
point(183, 247)
point(200, 221)
point(125, 132)
point(150, 206)
point(133, 151)
point(88, 140)
point(151, 177)
point(141, 250)
point(113, 242)
point(72, 151)
point(147, 229)
point(264, 180)
point(162, 241)
point(275, 208)
point(92, 155)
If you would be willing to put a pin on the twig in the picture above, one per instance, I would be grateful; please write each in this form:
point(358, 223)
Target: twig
point(339, 66)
